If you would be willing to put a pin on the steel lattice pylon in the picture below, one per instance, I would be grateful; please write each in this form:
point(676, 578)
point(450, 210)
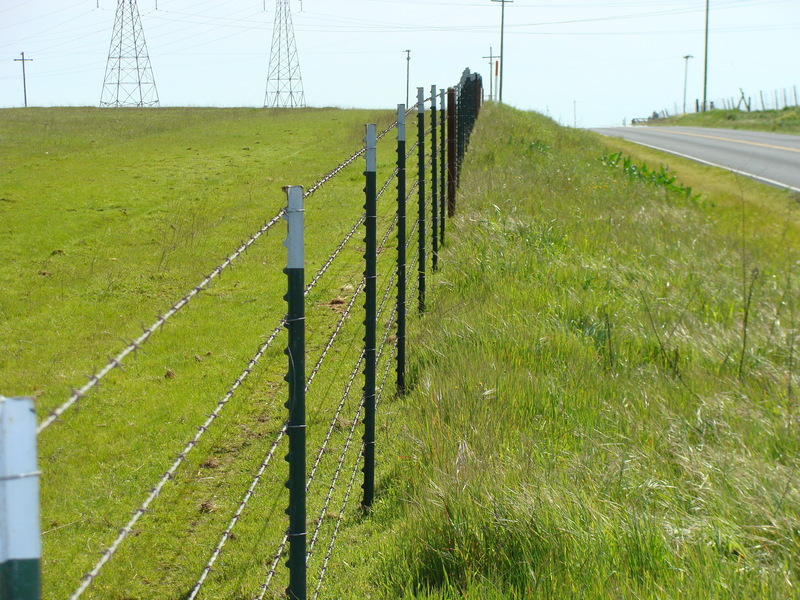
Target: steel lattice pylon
point(284, 83)
point(129, 78)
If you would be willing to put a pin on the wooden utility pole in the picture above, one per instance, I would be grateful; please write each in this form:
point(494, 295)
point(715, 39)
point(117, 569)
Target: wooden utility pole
point(502, 42)
point(23, 60)
point(685, 79)
point(408, 74)
point(705, 67)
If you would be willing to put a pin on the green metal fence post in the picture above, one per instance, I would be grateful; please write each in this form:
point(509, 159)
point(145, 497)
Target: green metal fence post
point(434, 185)
point(459, 130)
point(370, 319)
point(451, 152)
point(421, 189)
point(296, 377)
point(20, 539)
point(442, 164)
point(401, 249)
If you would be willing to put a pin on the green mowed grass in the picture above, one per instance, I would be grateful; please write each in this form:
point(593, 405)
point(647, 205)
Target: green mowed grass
point(605, 402)
point(107, 218)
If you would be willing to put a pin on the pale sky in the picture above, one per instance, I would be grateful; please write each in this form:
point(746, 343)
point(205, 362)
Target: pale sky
point(585, 62)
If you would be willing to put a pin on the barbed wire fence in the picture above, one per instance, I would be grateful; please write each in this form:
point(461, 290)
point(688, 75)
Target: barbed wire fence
point(332, 477)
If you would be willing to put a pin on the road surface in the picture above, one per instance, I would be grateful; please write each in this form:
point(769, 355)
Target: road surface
point(773, 158)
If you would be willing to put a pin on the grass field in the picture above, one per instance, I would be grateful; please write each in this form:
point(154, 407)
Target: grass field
point(605, 385)
point(786, 120)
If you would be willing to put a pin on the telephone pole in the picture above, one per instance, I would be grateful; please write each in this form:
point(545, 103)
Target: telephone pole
point(408, 73)
point(685, 79)
point(491, 58)
point(705, 67)
point(23, 60)
point(502, 40)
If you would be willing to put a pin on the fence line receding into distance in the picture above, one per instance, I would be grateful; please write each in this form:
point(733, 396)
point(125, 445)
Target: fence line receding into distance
point(439, 163)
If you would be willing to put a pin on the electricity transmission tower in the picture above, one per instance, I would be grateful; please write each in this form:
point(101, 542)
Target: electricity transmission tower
point(129, 77)
point(284, 83)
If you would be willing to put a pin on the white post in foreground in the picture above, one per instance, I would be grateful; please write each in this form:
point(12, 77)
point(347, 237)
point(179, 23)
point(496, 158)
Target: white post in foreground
point(20, 541)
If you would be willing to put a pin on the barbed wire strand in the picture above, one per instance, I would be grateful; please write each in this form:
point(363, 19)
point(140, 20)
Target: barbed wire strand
point(346, 394)
point(339, 519)
point(316, 369)
point(116, 362)
point(320, 520)
point(335, 334)
point(351, 483)
point(126, 531)
point(339, 466)
point(342, 244)
point(341, 167)
point(282, 546)
point(273, 570)
point(340, 463)
point(160, 321)
point(226, 534)
point(334, 420)
point(335, 254)
point(242, 504)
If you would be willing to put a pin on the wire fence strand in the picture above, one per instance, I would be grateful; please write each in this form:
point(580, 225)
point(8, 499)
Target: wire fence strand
point(242, 504)
point(149, 331)
point(335, 535)
point(128, 528)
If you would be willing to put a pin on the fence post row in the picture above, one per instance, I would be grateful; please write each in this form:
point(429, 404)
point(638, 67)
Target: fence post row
point(296, 378)
point(469, 104)
point(370, 308)
point(421, 190)
point(20, 540)
point(401, 249)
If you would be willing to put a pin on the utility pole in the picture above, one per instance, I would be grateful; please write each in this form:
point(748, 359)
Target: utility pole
point(502, 40)
point(23, 60)
point(685, 79)
point(705, 68)
point(491, 58)
point(575, 114)
point(408, 73)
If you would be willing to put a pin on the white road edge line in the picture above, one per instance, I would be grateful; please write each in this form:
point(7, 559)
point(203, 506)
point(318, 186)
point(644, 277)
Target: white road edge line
point(710, 164)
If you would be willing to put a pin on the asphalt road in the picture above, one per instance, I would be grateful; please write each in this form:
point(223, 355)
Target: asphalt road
point(773, 158)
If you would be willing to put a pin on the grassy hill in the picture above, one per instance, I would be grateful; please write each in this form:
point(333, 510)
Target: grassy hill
point(604, 398)
point(786, 120)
